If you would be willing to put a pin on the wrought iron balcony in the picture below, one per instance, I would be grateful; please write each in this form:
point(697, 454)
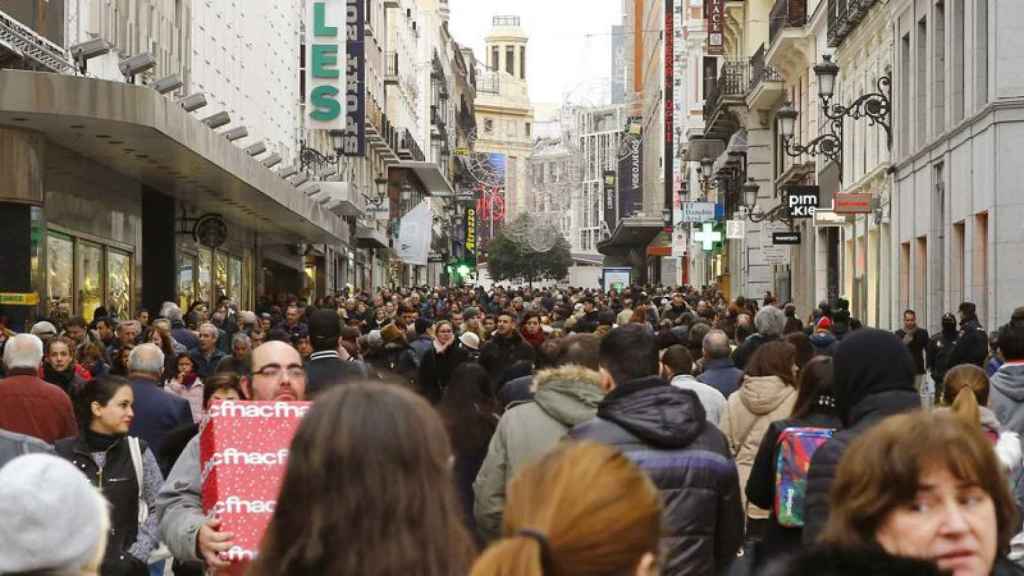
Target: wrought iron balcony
point(733, 82)
point(391, 67)
point(843, 18)
point(760, 71)
point(786, 14)
point(409, 148)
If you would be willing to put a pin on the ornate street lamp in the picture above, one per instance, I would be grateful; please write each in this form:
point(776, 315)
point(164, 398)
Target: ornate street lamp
point(704, 170)
point(875, 106)
point(829, 144)
point(779, 213)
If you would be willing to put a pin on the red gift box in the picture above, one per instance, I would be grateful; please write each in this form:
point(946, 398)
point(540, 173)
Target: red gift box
point(243, 450)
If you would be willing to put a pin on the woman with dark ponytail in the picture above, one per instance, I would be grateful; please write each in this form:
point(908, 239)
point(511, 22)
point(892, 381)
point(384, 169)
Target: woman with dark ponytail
point(582, 510)
point(128, 479)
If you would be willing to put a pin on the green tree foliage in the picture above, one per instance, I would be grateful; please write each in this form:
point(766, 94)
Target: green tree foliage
point(512, 260)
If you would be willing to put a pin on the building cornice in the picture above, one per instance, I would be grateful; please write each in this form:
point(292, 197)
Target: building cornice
point(980, 121)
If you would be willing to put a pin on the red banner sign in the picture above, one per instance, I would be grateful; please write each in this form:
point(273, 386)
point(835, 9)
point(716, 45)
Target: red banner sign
point(714, 14)
point(243, 451)
point(851, 203)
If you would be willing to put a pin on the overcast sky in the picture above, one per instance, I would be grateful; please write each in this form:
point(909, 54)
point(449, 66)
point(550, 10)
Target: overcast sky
point(569, 53)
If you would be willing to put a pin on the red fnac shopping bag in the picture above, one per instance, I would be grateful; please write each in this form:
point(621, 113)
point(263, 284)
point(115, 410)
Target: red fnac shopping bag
point(243, 450)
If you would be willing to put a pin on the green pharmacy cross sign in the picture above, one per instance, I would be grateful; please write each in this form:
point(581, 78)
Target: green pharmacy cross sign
point(708, 237)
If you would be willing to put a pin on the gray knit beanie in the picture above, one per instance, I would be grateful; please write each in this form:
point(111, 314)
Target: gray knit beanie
point(51, 517)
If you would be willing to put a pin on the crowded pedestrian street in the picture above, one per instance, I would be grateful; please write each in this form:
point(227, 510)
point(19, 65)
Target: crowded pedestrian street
point(511, 288)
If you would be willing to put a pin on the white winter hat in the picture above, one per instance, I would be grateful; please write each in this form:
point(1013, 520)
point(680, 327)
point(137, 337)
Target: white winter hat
point(51, 517)
point(470, 340)
point(43, 328)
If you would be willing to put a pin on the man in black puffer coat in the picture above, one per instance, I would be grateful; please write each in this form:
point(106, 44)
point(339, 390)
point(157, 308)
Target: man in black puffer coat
point(664, 431)
point(874, 378)
point(505, 348)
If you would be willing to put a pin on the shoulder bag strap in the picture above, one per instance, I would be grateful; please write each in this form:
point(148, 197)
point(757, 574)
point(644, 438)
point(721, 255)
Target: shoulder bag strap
point(133, 446)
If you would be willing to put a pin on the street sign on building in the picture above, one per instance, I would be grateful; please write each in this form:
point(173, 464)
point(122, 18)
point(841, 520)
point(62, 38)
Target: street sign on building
point(851, 203)
point(828, 219)
point(802, 201)
point(698, 212)
point(785, 238)
point(735, 229)
point(778, 255)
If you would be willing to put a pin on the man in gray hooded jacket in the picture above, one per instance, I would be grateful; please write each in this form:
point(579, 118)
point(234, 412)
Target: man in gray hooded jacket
point(1006, 394)
point(563, 397)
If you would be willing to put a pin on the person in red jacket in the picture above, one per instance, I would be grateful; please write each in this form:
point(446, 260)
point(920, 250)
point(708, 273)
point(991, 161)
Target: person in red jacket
point(28, 404)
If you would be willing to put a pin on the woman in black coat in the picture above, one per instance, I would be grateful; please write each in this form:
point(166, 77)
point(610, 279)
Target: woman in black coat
point(103, 452)
point(470, 413)
point(815, 408)
point(440, 362)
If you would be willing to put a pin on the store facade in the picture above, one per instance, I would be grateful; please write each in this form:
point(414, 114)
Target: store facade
point(115, 196)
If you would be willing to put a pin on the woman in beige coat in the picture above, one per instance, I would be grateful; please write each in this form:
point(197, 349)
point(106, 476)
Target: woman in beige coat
point(768, 393)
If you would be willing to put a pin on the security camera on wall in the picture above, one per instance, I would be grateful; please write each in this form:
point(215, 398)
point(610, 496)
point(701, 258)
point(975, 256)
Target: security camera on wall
point(193, 102)
point(167, 84)
point(135, 65)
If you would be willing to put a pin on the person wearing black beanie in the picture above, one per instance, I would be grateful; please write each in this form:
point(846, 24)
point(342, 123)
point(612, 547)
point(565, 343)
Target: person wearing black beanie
point(874, 378)
point(326, 367)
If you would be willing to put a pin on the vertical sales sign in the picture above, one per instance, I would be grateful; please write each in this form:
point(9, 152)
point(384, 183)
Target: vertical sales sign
point(470, 240)
point(325, 25)
point(354, 138)
point(715, 16)
point(670, 101)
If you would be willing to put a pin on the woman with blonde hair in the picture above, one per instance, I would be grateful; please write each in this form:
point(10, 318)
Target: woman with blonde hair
point(582, 510)
point(927, 486)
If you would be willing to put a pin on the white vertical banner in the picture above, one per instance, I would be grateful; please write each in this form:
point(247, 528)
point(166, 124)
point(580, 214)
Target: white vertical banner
point(414, 235)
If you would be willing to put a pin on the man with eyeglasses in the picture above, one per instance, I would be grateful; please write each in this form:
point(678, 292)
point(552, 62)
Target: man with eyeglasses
point(277, 375)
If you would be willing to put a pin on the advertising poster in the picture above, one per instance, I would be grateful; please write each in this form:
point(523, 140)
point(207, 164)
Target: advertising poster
point(616, 278)
point(631, 183)
point(414, 235)
point(489, 172)
point(610, 184)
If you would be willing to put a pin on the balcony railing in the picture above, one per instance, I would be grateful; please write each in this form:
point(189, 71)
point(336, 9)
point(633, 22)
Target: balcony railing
point(733, 81)
point(843, 18)
point(489, 81)
point(410, 147)
point(505, 21)
point(786, 14)
point(391, 67)
point(760, 71)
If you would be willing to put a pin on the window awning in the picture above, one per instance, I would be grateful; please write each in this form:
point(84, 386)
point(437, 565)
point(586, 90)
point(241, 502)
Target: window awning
point(632, 232)
point(429, 174)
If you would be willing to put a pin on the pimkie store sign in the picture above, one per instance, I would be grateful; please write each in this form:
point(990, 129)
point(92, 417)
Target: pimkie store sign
point(802, 201)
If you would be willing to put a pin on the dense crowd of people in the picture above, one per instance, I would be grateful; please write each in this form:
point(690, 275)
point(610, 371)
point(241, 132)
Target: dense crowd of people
point(520, 431)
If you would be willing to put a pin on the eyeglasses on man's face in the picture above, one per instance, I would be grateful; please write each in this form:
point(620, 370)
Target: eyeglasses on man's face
point(276, 371)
